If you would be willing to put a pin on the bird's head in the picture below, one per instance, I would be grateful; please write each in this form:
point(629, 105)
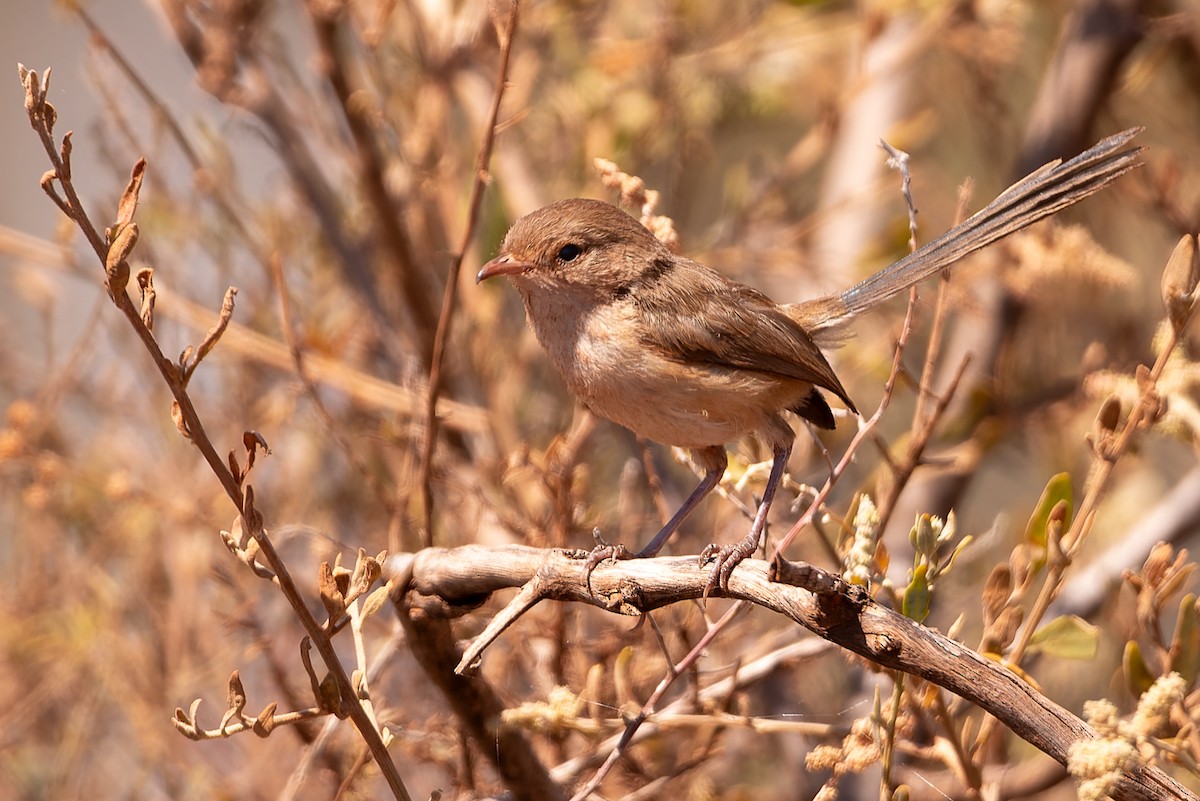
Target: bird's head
point(585, 247)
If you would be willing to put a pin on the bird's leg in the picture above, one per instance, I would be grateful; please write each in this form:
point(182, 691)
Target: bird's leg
point(715, 460)
point(731, 556)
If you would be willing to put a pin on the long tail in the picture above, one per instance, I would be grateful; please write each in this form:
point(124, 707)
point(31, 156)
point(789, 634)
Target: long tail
point(1041, 193)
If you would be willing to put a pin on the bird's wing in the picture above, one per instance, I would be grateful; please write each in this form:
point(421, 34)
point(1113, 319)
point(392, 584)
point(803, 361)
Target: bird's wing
point(697, 315)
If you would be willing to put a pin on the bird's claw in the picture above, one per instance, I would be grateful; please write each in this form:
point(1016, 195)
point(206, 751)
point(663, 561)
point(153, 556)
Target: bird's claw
point(602, 553)
point(726, 558)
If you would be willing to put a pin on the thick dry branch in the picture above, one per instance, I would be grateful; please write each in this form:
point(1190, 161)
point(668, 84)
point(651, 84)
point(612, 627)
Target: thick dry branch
point(449, 583)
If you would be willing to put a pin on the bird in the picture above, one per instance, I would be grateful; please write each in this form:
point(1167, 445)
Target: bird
point(680, 354)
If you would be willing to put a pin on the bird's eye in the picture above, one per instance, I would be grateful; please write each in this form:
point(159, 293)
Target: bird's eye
point(569, 253)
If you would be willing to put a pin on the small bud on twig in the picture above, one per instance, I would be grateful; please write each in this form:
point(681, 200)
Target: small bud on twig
point(1179, 282)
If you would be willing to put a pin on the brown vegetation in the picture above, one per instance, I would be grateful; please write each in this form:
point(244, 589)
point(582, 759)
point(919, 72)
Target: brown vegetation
point(357, 453)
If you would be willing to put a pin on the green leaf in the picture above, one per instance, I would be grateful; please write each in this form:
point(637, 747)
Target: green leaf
point(1138, 677)
point(917, 595)
point(1069, 637)
point(1057, 489)
point(1185, 644)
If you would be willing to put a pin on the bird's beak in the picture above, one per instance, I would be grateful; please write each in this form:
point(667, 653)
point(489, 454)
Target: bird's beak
point(502, 265)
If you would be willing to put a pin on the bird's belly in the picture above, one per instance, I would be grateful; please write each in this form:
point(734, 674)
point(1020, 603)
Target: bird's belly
point(689, 405)
point(606, 364)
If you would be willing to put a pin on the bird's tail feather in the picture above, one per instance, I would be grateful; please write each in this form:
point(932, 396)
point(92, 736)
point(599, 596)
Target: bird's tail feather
point(1043, 192)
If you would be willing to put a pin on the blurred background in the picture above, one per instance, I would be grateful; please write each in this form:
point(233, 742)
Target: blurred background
point(341, 138)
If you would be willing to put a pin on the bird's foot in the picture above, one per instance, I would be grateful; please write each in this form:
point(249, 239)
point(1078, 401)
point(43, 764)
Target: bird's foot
point(602, 553)
point(726, 558)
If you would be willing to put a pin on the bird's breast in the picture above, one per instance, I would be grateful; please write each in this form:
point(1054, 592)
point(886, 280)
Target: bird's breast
point(601, 353)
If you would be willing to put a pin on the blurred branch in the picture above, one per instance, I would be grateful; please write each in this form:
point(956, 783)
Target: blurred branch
point(446, 317)
point(1096, 39)
point(440, 583)
point(388, 215)
point(113, 251)
point(477, 706)
point(227, 67)
point(1095, 42)
point(363, 388)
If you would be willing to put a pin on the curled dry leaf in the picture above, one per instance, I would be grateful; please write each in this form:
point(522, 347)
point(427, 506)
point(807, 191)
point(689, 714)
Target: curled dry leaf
point(306, 660)
point(236, 695)
point(211, 338)
point(145, 281)
point(252, 441)
point(331, 597)
point(115, 265)
point(265, 721)
point(367, 570)
point(235, 469)
point(180, 423)
point(996, 592)
point(29, 79)
point(64, 150)
point(127, 206)
point(329, 699)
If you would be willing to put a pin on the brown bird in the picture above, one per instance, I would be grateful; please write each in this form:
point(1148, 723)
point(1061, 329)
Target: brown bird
point(681, 355)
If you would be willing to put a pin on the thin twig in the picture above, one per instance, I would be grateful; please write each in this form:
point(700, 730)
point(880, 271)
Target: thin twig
point(445, 318)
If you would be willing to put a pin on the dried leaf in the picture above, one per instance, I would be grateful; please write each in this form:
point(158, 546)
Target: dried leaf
point(996, 592)
point(1001, 633)
point(64, 150)
point(623, 682)
point(29, 79)
point(115, 264)
point(265, 722)
point(331, 596)
point(254, 518)
point(306, 660)
point(213, 336)
point(235, 469)
point(45, 85)
point(1157, 562)
point(235, 697)
point(252, 441)
point(366, 572)
point(185, 357)
point(180, 423)
point(127, 206)
point(329, 699)
point(145, 281)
